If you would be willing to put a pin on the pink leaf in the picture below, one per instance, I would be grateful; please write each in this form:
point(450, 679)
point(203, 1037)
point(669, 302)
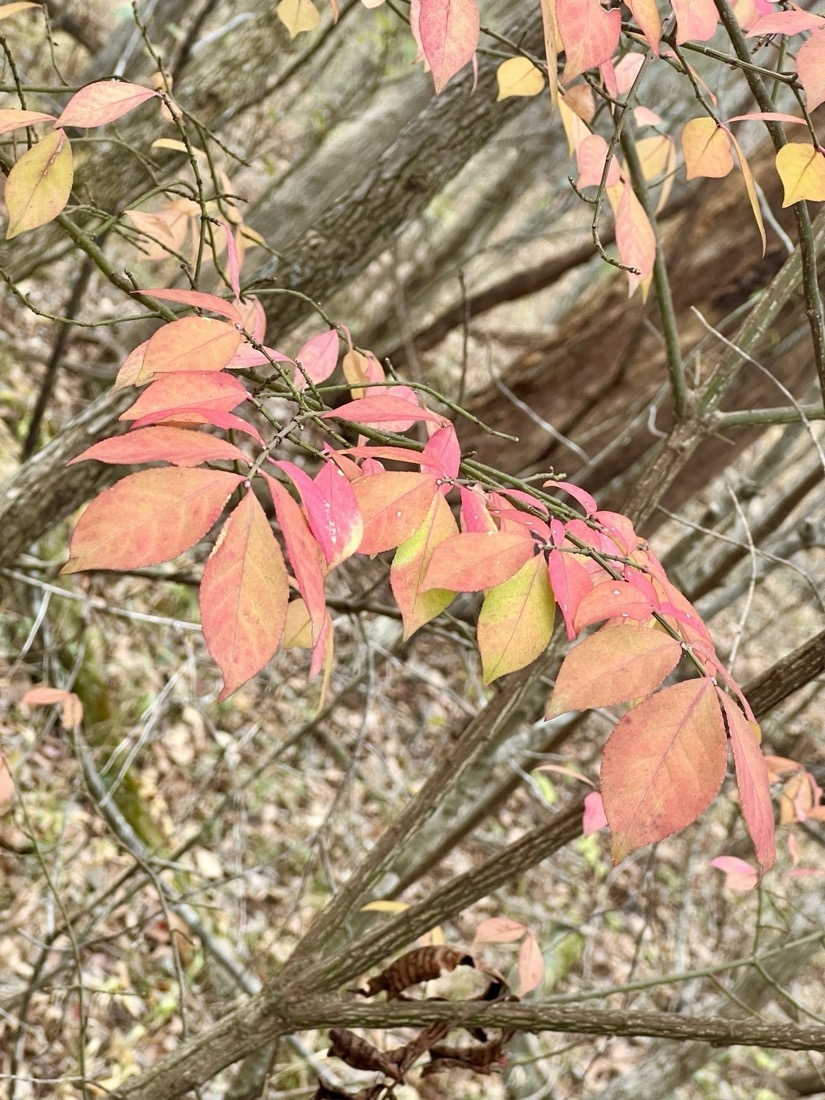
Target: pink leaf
point(590, 158)
point(810, 67)
point(243, 595)
point(342, 513)
point(103, 102)
point(149, 517)
point(449, 32)
point(443, 454)
point(635, 239)
point(594, 816)
point(754, 784)
point(188, 388)
point(318, 357)
point(382, 410)
point(609, 600)
point(570, 582)
point(6, 781)
point(305, 555)
point(739, 875)
point(197, 299)
point(530, 965)
point(194, 414)
point(695, 20)
point(499, 930)
point(588, 33)
point(579, 495)
point(13, 119)
point(786, 22)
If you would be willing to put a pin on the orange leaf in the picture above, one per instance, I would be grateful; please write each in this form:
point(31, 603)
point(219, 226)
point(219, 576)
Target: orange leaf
point(393, 506)
point(609, 600)
point(473, 560)
point(516, 620)
point(695, 20)
point(663, 764)
point(410, 564)
point(706, 149)
point(449, 35)
point(647, 16)
point(103, 102)
point(149, 517)
point(635, 239)
point(802, 171)
point(39, 184)
point(180, 446)
point(615, 665)
point(184, 389)
point(588, 33)
point(305, 555)
point(190, 344)
point(752, 779)
point(750, 187)
point(243, 595)
point(499, 930)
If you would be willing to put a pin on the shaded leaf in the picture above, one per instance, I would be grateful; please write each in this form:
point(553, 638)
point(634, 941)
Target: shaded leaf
point(449, 32)
point(615, 665)
point(6, 781)
point(802, 171)
point(695, 20)
point(706, 148)
point(179, 446)
point(103, 102)
point(184, 389)
point(189, 344)
point(647, 16)
point(305, 555)
point(753, 782)
point(39, 184)
point(342, 514)
point(750, 187)
point(590, 159)
point(193, 414)
point(499, 930)
point(197, 299)
point(635, 239)
point(410, 565)
point(518, 76)
point(149, 517)
point(243, 595)
point(516, 620)
point(609, 600)
point(589, 34)
point(470, 561)
point(8, 10)
point(530, 965)
point(785, 22)
point(13, 119)
point(810, 68)
point(663, 765)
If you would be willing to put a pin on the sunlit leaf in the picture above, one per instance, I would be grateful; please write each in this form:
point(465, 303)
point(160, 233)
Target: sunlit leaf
point(188, 388)
point(570, 582)
point(103, 102)
point(611, 600)
point(663, 765)
point(615, 665)
point(39, 184)
point(516, 620)
point(243, 595)
point(149, 517)
point(197, 299)
point(342, 513)
point(381, 409)
point(190, 415)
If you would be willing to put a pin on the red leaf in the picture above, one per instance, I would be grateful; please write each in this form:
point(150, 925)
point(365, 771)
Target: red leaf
point(336, 534)
point(188, 388)
point(192, 414)
point(449, 35)
point(149, 517)
point(570, 581)
point(393, 506)
point(180, 446)
point(318, 357)
point(197, 299)
point(304, 552)
point(610, 600)
point(662, 765)
point(190, 344)
point(754, 784)
point(382, 410)
point(615, 665)
point(579, 495)
point(588, 33)
point(695, 20)
point(475, 514)
point(443, 454)
point(472, 560)
point(103, 102)
point(243, 595)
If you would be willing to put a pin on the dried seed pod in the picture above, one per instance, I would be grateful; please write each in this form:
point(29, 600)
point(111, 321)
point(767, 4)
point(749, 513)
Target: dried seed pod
point(422, 964)
point(360, 1054)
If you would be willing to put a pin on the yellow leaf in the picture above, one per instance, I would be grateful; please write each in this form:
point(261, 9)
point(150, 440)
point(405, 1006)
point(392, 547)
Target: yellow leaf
point(384, 907)
point(750, 187)
point(518, 76)
point(706, 148)
point(39, 184)
point(298, 16)
point(802, 171)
